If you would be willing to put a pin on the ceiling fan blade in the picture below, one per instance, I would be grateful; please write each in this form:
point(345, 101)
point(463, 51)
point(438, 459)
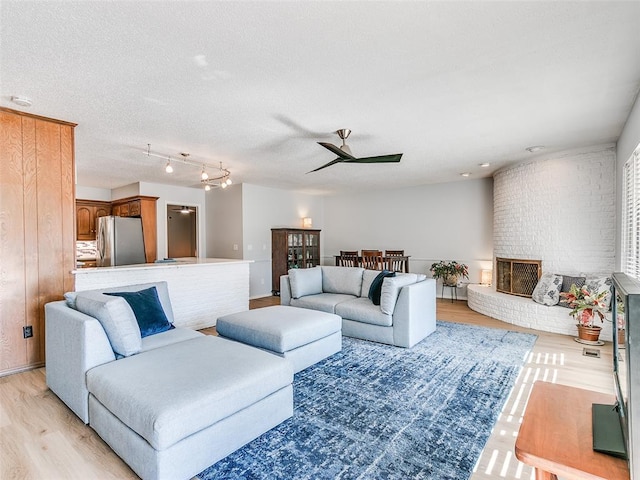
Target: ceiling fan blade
point(337, 150)
point(332, 162)
point(380, 159)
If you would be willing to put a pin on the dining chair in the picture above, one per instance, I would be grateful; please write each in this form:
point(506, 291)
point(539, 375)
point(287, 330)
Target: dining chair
point(395, 263)
point(349, 258)
point(372, 260)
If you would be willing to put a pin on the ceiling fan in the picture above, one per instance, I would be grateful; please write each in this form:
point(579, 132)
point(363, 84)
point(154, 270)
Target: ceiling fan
point(182, 209)
point(345, 156)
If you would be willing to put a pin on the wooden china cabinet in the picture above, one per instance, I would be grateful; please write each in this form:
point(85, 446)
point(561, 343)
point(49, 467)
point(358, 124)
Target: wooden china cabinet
point(292, 248)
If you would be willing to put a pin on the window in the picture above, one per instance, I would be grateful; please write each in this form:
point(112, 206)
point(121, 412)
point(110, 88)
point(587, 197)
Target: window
point(631, 216)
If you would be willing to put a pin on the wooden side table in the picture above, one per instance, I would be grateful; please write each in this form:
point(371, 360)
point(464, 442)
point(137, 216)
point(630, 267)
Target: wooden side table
point(556, 438)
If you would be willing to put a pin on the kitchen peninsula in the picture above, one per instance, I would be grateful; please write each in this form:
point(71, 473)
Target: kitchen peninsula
point(201, 290)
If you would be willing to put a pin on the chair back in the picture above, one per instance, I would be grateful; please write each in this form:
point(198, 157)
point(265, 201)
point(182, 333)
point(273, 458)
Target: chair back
point(396, 263)
point(394, 253)
point(372, 260)
point(349, 258)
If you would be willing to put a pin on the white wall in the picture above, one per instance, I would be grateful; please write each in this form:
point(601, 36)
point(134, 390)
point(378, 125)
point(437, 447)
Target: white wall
point(559, 209)
point(171, 195)
point(90, 193)
point(264, 208)
point(224, 222)
point(627, 143)
point(450, 221)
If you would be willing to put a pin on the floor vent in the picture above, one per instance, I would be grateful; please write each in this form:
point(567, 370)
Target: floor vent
point(591, 352)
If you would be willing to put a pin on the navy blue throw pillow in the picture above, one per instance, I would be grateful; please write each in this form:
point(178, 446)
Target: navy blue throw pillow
point(148, 310)
point(376, 286)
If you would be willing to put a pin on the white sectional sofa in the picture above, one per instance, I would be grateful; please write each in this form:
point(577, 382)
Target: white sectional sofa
point(405, 316)
point(169, 404)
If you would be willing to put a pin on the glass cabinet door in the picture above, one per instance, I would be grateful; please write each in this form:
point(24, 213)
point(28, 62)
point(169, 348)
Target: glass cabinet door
point(295, 251)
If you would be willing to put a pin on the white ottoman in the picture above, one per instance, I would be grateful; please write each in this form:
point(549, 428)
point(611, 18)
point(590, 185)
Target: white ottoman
point(302, 336)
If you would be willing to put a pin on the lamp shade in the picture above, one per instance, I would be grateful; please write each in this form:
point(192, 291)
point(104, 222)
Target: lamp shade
point(307, 222)
point(486, 277)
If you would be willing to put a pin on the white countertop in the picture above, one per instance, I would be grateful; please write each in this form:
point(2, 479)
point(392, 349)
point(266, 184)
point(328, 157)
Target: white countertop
point(179, 263)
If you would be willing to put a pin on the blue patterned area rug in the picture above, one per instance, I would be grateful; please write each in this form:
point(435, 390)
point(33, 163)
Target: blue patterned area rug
point(379, 412)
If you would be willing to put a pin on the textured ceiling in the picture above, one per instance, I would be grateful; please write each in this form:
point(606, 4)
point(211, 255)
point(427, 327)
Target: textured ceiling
point(256, 84)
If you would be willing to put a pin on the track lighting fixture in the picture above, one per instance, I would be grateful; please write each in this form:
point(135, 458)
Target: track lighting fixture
point(221, 177)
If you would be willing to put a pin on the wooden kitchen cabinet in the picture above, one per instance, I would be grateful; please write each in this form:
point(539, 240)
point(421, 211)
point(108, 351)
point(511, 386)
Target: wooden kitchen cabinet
point(37, 246)
point(292, 248)
point(145, 208)
point(87, 214)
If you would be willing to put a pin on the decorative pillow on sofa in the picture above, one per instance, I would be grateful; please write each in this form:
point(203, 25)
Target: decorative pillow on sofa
point(391, 289)
point(117, 319)
point(147, 309)
point(547, 291)
point(600, 284)
point(305, 281)
point(346, 280)
point(567, 281)
point(376, 286)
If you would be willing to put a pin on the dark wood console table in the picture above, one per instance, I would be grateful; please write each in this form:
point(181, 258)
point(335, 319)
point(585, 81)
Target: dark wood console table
point(556, 438)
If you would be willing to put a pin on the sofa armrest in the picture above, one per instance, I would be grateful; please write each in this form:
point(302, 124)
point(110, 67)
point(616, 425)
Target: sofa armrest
point(75, 343)
point(285, 290)
point(415, 314)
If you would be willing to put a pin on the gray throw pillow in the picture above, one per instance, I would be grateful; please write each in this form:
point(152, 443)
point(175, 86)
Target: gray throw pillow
point(305, 281)
point(117, 319)
point(567, 281)
point(547, 291)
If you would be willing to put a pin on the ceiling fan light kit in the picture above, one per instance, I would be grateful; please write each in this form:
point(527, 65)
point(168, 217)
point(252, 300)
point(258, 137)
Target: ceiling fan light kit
point(344, 153)
point(220, 178)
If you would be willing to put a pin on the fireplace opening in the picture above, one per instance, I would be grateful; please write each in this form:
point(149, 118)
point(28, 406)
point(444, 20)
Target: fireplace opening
point(517, 277)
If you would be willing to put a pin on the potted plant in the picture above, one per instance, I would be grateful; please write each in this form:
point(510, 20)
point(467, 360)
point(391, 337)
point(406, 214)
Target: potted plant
point(449, 272)
point(586, 306)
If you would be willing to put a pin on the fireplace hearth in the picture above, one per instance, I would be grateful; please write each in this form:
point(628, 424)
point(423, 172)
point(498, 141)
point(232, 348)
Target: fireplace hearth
point(517, 277)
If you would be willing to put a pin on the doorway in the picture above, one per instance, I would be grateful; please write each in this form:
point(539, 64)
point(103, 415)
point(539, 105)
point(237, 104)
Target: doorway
point(182, 231)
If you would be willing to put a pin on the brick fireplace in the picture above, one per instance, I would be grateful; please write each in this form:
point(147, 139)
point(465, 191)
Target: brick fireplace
point(517, 277)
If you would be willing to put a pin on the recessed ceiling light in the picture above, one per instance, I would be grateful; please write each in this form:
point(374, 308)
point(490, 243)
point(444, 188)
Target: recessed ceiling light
point(534, 149)
point(484, 165)
point(22, 100)
point(465, 174)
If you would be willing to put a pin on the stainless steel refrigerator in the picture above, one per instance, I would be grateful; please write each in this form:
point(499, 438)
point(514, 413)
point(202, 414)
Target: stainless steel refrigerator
point(119, 241)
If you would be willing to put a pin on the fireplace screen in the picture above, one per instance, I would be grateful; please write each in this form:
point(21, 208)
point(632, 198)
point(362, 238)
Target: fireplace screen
point(517, 277)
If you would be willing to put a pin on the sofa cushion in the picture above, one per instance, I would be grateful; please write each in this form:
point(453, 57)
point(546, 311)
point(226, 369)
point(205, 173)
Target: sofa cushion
point(161, 287)
point(368, 276)
point(391, 289)
point(346, 280)
point(169, 393)
point(325, 302)
point(547, 291)
point(278, 328)
point(567, 281)
point(147, 309)
point(363, 310)
point(117, 320)
point(376, 286)
point(175, 335)
point(305, 281)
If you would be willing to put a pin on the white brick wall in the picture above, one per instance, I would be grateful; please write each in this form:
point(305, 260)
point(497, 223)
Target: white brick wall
point(526, 313)
point(560, 210)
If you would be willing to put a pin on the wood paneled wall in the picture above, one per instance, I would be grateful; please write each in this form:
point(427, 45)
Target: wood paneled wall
point(37, 230)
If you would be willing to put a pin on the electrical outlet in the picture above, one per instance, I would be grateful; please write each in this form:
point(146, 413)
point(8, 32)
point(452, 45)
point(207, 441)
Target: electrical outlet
point(235, 247)
point(27, 331)
point(262, 281)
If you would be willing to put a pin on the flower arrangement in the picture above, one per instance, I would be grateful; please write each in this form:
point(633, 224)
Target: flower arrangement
point(444, 270)
point(586, 304)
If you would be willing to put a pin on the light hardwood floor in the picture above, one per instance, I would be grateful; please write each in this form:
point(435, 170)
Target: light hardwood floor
point(40, 438)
